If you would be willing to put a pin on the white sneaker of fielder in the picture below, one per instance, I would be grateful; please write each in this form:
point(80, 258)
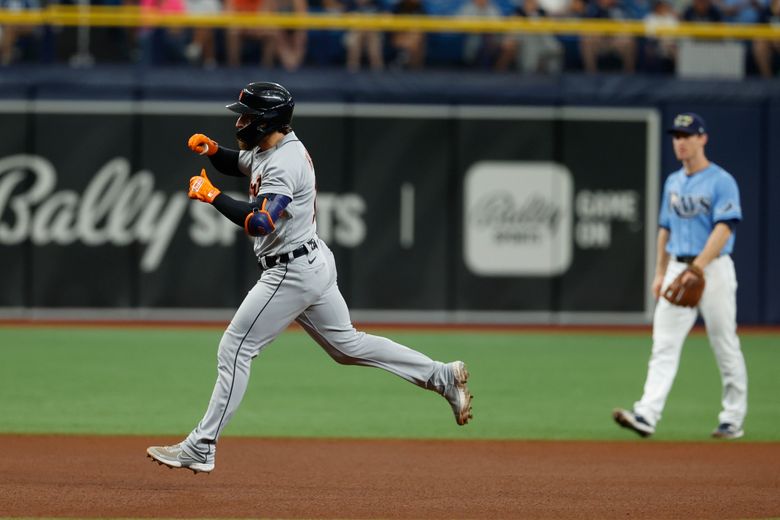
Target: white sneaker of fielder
point(175, 457)
point(632, 421)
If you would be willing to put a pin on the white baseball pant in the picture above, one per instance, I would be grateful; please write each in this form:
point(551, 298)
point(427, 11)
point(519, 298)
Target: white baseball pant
point(671, 325)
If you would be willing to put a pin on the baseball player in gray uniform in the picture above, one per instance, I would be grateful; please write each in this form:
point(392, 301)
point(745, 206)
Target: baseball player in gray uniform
point(699, 213)
point(298, 274)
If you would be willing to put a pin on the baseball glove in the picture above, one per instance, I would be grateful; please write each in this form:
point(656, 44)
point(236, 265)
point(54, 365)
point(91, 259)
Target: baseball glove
point(689, 293)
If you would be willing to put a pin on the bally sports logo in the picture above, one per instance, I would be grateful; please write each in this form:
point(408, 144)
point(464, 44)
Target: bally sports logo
point(119, 207)
point(518, 218)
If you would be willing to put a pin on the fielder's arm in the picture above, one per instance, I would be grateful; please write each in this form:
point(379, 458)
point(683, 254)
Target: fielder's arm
point(719, 235)
point(661, 261)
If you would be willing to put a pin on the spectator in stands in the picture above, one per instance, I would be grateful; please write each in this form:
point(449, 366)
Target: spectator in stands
point(161, 45)
point(291, 44)
point(660, 53)
point(10, 35)
point(105, 44)
point(326, 47)
point(326, 6)
point(577, 9)
point(201, 48)
point(571, 42)
point(369, 41)
point(538, 53)
point(702, 11)
point(637, 9)
point(235, 36)
point(740, 11)
point(555, 8)
point(481, 49)
point(594, 46)
point(766, 53)
point(409, 46)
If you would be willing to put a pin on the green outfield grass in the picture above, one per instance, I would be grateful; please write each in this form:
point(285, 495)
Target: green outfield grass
point(560, 385)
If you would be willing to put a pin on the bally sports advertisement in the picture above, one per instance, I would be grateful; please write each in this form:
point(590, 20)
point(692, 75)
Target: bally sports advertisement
point(434, 213)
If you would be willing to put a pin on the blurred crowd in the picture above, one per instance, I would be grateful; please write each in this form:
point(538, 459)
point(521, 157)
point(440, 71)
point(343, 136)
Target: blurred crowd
point(292, 49)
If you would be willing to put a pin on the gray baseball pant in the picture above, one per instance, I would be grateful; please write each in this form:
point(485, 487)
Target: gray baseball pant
point(304, 290)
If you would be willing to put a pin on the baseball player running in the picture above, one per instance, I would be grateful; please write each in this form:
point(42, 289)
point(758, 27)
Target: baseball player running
point(297, 274)
point(699, 213)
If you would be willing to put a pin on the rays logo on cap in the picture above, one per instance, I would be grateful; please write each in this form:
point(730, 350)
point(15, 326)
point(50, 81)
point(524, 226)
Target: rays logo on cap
point(683, 120)
point(688, 123)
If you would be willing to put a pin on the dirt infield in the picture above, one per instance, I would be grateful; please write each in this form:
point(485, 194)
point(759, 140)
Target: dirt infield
point(105, 477)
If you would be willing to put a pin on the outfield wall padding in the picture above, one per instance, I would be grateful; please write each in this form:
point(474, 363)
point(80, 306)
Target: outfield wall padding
point(413, 196)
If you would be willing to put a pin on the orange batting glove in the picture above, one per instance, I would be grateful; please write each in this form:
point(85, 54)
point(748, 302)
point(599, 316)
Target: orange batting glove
point(202, 144)
point(202, 189)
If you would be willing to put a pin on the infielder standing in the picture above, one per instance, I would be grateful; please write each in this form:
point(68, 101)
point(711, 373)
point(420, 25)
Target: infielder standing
point(699, 212)
point(298, 274)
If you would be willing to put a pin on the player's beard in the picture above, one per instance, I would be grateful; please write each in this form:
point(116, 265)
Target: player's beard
point(243, 145)
point(246, 145)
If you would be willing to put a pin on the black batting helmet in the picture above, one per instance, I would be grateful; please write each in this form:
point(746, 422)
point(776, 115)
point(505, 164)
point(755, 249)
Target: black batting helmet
point(270, 104)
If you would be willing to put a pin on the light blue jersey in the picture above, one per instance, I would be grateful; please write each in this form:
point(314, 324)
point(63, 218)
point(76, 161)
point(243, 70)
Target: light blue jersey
point(693, 204)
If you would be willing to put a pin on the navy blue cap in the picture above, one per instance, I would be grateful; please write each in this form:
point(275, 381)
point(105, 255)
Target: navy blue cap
point(688, 123)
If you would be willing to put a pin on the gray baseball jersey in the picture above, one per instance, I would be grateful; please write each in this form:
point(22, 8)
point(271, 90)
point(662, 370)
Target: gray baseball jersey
point(303, 289)
point(285, 169)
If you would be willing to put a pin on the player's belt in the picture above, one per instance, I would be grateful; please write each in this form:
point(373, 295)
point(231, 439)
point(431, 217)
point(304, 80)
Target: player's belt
point(685, 259)
point(267, 262)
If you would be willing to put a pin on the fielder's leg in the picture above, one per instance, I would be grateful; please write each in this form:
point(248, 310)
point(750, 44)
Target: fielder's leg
point(671, 325)
point(719, 310)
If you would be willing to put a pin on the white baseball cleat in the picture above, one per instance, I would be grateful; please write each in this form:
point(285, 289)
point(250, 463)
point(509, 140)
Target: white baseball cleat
point(633, 421)
point(175, 457)
point(458, 393)
point(728, 431)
